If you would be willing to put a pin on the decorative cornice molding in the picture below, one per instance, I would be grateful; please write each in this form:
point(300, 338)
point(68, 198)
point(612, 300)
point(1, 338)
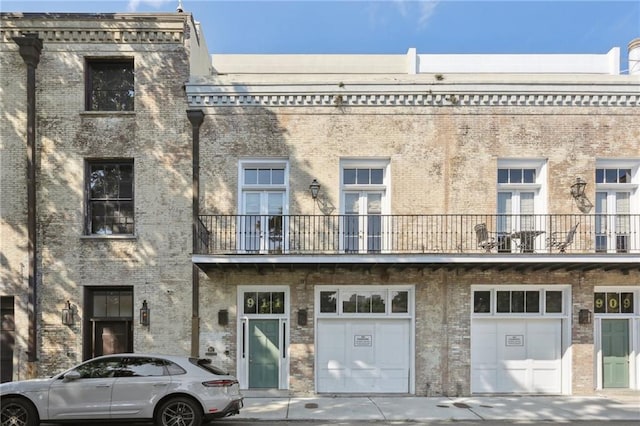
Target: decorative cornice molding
point(413, 100)
point(99, 35)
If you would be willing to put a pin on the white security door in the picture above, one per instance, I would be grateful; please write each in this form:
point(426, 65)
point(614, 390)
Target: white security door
point(516, 356)
point(363, 355)
point(262, 226)
point(363, 222)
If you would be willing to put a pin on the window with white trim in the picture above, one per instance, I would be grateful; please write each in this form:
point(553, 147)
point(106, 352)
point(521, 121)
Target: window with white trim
point(364, 301)
point(519, 301)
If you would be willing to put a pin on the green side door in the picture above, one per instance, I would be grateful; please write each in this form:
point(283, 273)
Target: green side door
point(615, 353)
point(264, 353)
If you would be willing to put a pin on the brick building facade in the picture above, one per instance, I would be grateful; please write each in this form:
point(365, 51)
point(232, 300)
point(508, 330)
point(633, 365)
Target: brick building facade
point(358, 224)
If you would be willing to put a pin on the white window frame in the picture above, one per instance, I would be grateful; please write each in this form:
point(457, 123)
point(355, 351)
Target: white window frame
point(385, 188)
point(273, 163)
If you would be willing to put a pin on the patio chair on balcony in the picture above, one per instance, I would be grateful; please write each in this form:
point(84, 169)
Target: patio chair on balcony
point(484, 240)
point(554, 242)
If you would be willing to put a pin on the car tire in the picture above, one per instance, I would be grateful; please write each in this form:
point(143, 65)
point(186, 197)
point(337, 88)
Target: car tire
point(179, 411)
point(18, 412)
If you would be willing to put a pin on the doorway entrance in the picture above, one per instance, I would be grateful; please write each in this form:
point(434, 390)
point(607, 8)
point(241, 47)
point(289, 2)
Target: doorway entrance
point(109, 323)
point(615, 353)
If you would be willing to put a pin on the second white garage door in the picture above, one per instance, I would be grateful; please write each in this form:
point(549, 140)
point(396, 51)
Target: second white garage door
point(516, 356)
point(363, 356)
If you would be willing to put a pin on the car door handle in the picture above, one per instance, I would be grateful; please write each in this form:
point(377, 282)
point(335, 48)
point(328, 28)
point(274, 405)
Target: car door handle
point(157, 385)
point(103, 386)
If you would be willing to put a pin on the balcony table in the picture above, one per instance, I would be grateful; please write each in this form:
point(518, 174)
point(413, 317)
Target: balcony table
point(527, 239)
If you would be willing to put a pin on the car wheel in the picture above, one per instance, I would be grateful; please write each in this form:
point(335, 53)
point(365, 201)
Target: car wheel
point(179, 412)
point(18, 412)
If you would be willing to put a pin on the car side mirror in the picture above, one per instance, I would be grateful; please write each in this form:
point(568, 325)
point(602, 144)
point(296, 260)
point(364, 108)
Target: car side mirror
point(71, 375)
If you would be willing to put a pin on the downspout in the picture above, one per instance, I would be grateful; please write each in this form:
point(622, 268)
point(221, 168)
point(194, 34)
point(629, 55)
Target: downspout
point(30, 48)
point(196, 116)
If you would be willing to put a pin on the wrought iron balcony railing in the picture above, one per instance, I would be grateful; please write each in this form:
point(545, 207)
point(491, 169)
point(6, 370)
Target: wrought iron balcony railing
point(415, 234)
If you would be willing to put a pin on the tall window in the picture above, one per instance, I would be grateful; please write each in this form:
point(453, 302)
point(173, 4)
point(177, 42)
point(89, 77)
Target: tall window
point(109, 197)
point(616, 187)
point(110, 85)
point(263, 195)
point(519, 200)
point(364, 193)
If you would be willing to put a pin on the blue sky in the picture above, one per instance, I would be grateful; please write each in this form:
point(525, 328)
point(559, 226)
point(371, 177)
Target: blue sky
point(391, 26)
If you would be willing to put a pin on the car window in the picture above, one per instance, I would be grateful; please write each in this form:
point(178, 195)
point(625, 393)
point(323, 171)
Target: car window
point(99, 369)
point(174, 369)
point(143, 367)
point(206, 365)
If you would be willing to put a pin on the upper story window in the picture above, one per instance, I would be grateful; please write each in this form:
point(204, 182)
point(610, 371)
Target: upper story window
point(110, 85)
point(613, 175)
point(516, 175)
point(109, 197)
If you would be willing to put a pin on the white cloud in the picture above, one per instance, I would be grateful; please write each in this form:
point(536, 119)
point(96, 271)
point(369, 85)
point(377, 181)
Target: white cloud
point(427, 9)
point(133, 5)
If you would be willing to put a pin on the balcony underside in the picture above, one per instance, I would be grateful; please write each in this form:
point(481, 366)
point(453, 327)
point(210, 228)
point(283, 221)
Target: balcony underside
point(525, 262)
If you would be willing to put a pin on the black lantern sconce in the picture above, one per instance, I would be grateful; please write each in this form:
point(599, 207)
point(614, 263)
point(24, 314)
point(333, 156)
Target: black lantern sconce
point(315, 189)
point(323, 203)
point(577, 192)
point(584, 316)
point(144, 314)
point(68, 314)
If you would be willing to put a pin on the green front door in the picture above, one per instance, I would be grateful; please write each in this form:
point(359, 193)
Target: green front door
point(615, 353)
point(264, 353)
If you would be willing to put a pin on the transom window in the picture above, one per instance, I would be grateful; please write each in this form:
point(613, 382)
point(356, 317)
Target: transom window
point(516, 175)
point(363, 176)
point(110, 85)
point(613, 303)
point(365, 302)
point(109, 197)
point(518, 301)
point(113, 304)
point(613, 175)
point(267, 302)
point(264, 176)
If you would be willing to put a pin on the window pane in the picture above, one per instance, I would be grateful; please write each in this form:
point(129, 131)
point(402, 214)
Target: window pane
point(376, 176)
point(277, 177)
point(277, 300)
point(349, 302)
point(503, 299)
point(599, 175)
point(624, 176)
point(400, 302)
point(364, 303)
point(626, 303)
point(142, 367)
point(250, 304)
point(378, 304)
point(264, 303)
point(113, 304)
point(349, 176)
point(532, 301)
point(126, 304)
point(264, 176)
point(553, 302)
point(517, 301)
point(613, 303)
point(481, 301)
point(529, 176)
point(99, 369)
point(515, 175)
point(611, 175)
point(111, 86)
point(250, 176)
point(599, 303)
point(328, 301)
point(363, 176)
point(99, 305)
point(503, 175)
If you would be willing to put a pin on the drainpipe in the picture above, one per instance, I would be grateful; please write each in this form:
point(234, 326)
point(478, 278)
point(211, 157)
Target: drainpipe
point(30, 48)
point(196, 116)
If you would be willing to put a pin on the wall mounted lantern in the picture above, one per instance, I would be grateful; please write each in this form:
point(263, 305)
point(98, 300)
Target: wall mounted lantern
point(67, 314)
point(314, 188)
point(577, 192)
point(144, 314)
point(584, 316)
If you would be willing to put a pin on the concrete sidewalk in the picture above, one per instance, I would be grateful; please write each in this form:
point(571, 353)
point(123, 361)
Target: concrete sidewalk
point(411, 408)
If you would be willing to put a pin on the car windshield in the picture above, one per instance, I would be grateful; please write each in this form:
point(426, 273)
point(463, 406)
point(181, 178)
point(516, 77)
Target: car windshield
point(205, 364)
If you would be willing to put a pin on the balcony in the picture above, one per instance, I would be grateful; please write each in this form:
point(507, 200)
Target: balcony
point(578, 241)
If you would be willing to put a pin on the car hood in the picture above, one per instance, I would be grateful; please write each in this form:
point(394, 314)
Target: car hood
point(23, 386)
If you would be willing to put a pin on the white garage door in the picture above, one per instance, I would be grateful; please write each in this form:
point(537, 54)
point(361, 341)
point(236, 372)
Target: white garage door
point(363, 356)
point(516, 356)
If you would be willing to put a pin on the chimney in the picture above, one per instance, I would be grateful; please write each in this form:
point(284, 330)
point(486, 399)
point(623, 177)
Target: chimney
point(634, 57)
